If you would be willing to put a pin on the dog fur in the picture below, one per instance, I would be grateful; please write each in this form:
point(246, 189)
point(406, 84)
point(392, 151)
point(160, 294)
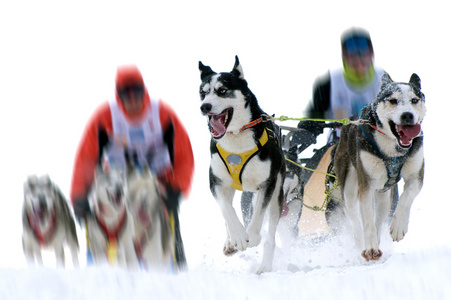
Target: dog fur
point(111, 221)
point(47, 221)
point(153, 235)
point(229, 104)
point(367, 156)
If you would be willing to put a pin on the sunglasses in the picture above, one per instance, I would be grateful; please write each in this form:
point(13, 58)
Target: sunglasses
point(356, 45)
point(137, 91)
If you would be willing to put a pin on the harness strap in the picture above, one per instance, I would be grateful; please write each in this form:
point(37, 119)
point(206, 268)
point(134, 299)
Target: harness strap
point(393, 165)
point(45, 236)
point(235, 162)
point(113, 234)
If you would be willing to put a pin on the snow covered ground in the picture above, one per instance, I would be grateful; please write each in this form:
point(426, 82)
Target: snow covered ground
point(58, 62)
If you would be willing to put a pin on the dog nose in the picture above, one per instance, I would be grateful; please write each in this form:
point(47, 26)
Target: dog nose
point(42, 202)
point(407, 118)
point(205, 108)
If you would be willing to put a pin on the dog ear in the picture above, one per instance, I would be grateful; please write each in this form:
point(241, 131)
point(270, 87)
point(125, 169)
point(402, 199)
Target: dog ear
point(205, 71)
point(386, 79)
point(415, 81)
point(237, 69)
point(31, 182)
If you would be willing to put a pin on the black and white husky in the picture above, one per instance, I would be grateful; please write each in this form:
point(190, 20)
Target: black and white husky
point(245, 155)
point(47, 221)
point(374, 154)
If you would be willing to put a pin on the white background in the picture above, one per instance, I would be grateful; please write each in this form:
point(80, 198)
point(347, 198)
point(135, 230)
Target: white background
point(58, 61)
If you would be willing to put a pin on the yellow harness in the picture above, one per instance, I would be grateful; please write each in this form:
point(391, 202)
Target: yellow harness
point(235, 161)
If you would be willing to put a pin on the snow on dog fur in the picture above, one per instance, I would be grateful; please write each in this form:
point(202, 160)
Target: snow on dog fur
point(374, 154)
point(47, 221)
point(245, 155)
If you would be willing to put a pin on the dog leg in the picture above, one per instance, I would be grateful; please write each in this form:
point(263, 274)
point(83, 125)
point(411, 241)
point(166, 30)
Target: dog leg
point(270, 242)
point(383, 204)
point(237, 236)
point(74, 249)
point(60, 258)
point(31, 254)
point(351, 206)
point(400, 223)
point(370, 233)
point(254, 228)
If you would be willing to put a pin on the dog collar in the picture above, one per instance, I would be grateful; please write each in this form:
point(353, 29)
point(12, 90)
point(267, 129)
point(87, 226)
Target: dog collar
point(251, 124)
point(235, 162)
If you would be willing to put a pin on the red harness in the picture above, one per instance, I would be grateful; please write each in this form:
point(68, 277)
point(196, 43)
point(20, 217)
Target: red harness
point(113, 233)
point(43, 236)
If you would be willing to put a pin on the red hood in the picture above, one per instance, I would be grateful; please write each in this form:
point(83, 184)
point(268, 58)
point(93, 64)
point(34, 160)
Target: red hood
point(129, 75)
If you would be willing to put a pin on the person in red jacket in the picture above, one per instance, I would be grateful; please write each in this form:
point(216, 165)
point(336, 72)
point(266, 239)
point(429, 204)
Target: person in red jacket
point(144, 127)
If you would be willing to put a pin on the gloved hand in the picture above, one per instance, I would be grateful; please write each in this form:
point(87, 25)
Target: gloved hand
point(81, 209)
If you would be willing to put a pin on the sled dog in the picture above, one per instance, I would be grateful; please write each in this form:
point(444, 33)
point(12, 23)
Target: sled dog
point(110, 226)
point(47, 221)
point(245, 155)
point(374, 154)
point(153, 235)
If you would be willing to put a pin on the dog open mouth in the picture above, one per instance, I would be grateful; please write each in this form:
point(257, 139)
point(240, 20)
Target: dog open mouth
point(405, 133)
point(220, 122)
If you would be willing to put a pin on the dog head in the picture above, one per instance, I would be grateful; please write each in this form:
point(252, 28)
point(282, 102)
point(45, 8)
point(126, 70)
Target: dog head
point(108, 195)
point(143, 196)
point(400, 108)
point(40, 199)
point(226, 100)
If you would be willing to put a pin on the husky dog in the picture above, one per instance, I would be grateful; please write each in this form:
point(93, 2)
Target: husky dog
point(245, 155)
point(372, 157)
point(110, 227)
point(47, 221)
point(153, 235)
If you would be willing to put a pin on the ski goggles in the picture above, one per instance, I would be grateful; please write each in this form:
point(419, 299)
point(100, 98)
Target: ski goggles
point(356, 45)
point(137, 91)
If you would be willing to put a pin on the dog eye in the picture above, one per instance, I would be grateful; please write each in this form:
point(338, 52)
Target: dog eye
point(222, 91)
point(393, 101)
point(415, 100)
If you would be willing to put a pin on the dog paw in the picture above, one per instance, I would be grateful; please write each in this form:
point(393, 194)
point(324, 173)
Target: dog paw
point(232, 245)
point(398, 229)
point(229, 250)
point(254, 240)
point(238, 240)
point(372, 254)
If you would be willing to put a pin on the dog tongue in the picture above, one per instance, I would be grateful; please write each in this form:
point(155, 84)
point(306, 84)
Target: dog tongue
point(217, 124)
point(408, 132)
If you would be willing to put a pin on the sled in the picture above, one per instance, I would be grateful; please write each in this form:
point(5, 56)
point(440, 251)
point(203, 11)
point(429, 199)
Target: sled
point(313, 170)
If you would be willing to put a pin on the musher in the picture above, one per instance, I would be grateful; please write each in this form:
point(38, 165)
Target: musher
point(147, 127)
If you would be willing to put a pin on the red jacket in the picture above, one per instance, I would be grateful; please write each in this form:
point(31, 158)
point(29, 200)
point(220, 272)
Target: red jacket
point(87, 156)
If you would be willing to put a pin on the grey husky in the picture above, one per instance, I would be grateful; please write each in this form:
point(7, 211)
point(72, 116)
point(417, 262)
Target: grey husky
point(47, 221)
point(374, 154)
point(153, 236)
point(245, 155)
point(110, 227)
